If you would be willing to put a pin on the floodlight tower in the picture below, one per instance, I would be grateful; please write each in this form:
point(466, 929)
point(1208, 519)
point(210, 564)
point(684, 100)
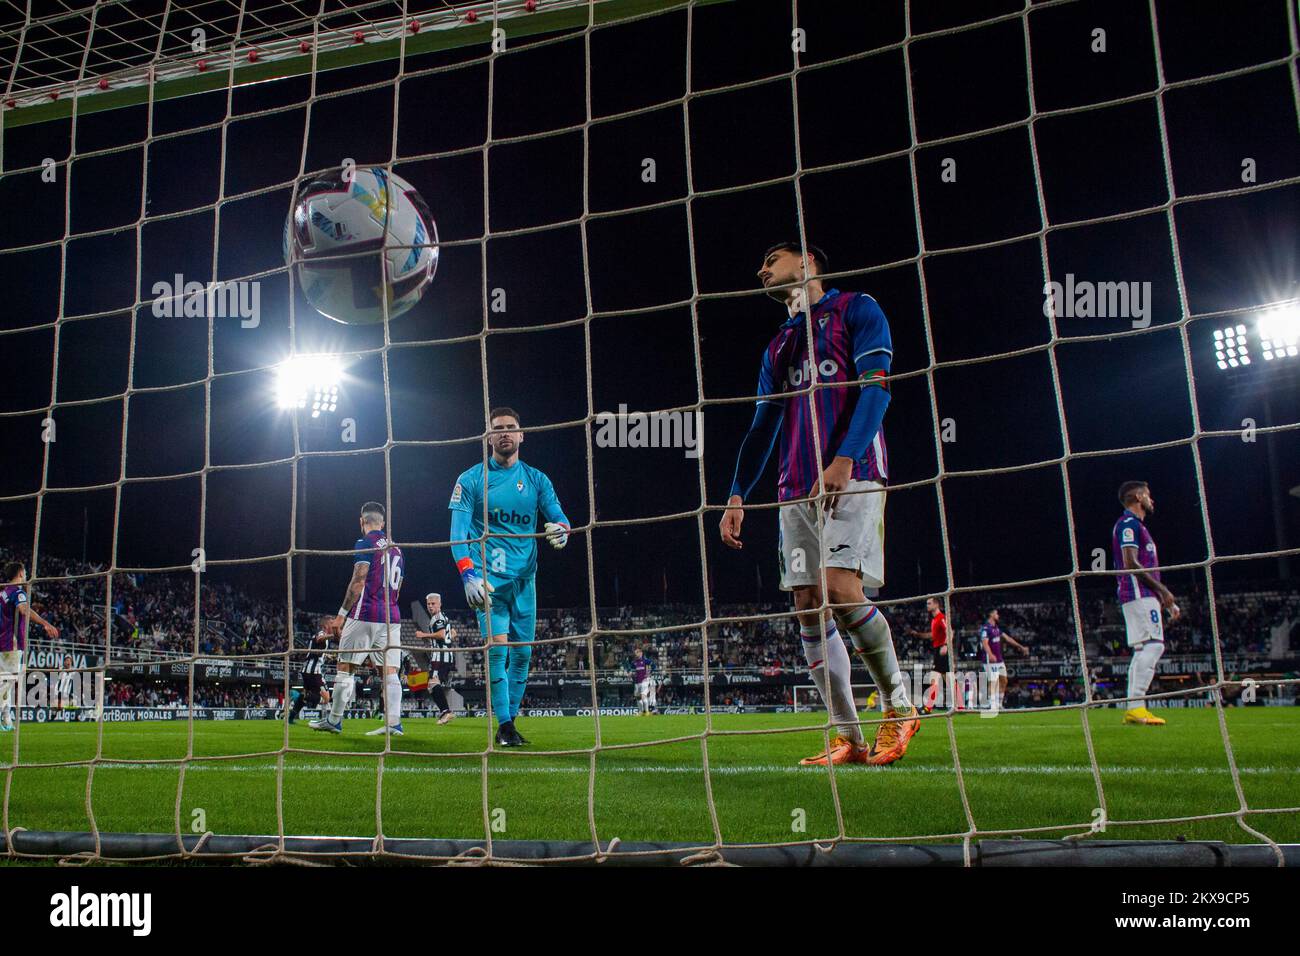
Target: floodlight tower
point(307, 386)
point(1262, 355)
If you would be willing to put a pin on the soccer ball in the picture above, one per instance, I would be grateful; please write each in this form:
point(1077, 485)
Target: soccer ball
point(357, 238)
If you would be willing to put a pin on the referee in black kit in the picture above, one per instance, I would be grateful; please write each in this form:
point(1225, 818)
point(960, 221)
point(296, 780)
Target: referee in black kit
point(313, 677)
point(441, 658)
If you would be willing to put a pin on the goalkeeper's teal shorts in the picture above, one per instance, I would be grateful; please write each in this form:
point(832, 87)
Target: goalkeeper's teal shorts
point(514, 609)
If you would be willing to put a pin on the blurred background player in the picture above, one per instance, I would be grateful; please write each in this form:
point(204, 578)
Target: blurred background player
point(441, 658)
point(516, 494)
point(65, 694)
point(938, 636)
point(313, 692)
point(15, 612)
point(845, 532)
point(369, 624)
point(643, 683)
point(995, 668)
point(1141, 596)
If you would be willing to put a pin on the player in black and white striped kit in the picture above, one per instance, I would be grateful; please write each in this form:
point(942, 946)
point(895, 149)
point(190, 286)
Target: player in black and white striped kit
point(313, 692)
point(441, 658)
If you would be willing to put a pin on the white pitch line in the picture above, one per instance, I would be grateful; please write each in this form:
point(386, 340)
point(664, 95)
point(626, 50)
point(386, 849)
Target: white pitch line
point(1044, 769)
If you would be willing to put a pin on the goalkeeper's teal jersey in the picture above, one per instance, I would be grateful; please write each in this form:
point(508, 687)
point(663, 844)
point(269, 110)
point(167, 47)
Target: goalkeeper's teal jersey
point(520, 499)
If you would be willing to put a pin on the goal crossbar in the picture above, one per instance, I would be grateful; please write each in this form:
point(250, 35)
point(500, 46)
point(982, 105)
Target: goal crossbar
point(279, 58)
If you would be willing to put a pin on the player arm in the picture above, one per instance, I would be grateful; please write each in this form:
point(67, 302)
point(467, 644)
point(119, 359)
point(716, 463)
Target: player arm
point(756, 448)
point(873, 353)
point(557, 523)
point(1134, 567)
point(29, 612)
point(353, 594)
point(464, 501)
point(1015, 643)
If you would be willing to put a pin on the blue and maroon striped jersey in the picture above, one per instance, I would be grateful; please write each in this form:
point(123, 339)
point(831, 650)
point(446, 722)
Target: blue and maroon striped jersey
point(385, 562)
point(851, 342)
point(1130, 532)
point(13, 623)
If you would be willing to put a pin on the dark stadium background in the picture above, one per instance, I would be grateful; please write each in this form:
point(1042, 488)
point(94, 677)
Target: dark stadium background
point(1127, 391)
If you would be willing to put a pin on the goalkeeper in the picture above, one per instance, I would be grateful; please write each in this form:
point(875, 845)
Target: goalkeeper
point(505, 597)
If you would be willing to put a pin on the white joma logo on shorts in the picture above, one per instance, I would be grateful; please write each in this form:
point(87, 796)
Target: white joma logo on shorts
point(75, 909)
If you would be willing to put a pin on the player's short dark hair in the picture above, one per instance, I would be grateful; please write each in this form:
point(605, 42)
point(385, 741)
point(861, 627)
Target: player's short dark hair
point(501, 411)
point(1129, 490)
point(12, 568)
point(373, 508)
point(815, 253)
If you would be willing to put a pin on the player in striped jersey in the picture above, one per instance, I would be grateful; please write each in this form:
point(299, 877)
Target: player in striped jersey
point(15, 612)
point(830, 442)
point(65, 697)
point(313, 692)
point(368, 625)
point(1141, 596)
point(441, 658)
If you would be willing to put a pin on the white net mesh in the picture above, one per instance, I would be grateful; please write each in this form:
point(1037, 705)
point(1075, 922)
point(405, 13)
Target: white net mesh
point(146, 56)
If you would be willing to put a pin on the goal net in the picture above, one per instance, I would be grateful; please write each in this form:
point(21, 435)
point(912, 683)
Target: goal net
point(1079, 238)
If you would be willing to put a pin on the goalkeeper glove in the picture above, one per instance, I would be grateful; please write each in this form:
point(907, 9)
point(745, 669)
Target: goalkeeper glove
point(476, 589)
point(557, 534)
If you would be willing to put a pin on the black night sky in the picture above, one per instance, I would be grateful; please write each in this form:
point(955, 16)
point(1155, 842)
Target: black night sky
point(1236, 252)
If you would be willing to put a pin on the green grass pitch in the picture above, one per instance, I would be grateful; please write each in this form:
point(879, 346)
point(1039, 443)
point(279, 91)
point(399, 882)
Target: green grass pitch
point(1021, 771)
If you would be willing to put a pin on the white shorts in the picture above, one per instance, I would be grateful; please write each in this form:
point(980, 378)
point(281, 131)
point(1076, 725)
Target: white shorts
point(642, 688)
point(1143, 621)
point(852, 536)
point(373, 641)
point(11, 662)
point(995, 669)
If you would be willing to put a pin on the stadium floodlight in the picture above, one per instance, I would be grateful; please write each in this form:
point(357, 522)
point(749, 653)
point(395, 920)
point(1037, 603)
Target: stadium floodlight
point(309, 380)
point(1279, 332)
point(1230, 349)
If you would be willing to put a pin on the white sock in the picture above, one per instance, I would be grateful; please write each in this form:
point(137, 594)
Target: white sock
point(393, 699)
point(343, 685)
point(1142, 669)
point(6, 694)
point(653, 701)
point(867, 627)
point(833, 676)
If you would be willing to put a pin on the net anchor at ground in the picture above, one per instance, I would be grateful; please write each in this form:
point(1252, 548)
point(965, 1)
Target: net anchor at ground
point(121, 847)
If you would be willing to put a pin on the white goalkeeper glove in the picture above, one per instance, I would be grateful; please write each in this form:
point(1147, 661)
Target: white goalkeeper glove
point(476, 589)
point(557, 534)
